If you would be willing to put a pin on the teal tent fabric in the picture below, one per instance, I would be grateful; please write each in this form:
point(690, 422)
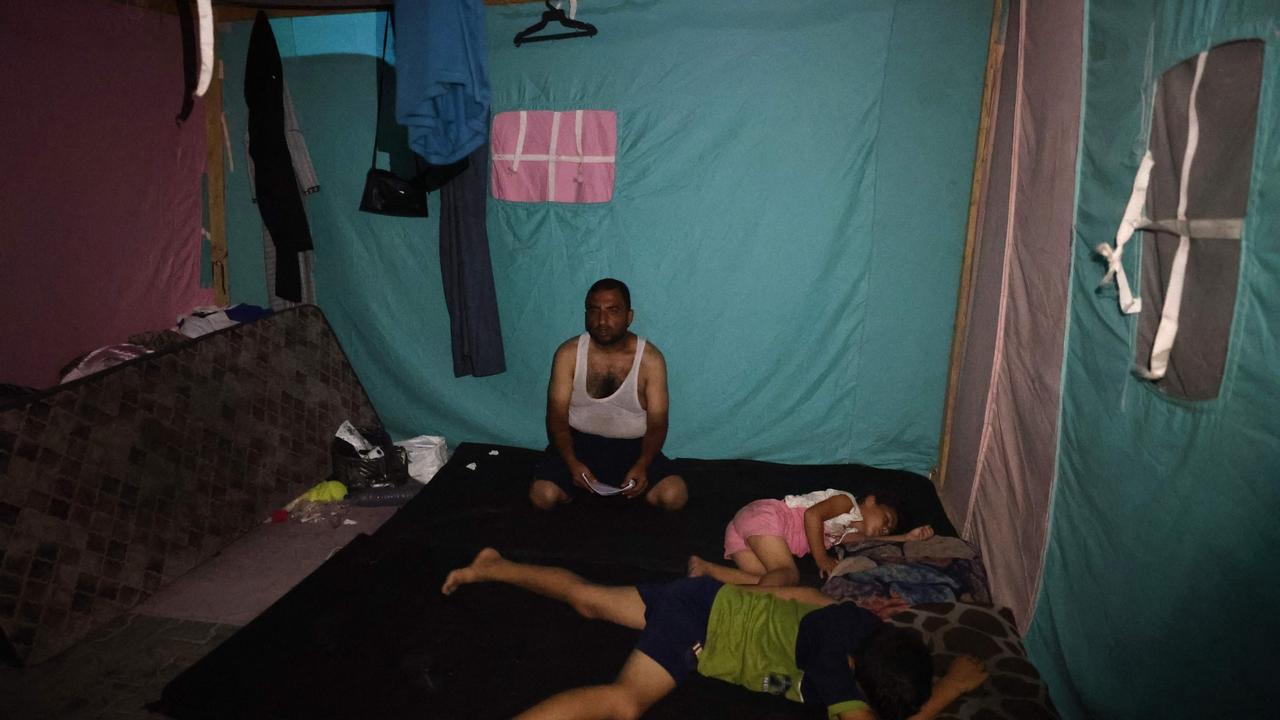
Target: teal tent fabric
point(791, 197)
point(1158, 589)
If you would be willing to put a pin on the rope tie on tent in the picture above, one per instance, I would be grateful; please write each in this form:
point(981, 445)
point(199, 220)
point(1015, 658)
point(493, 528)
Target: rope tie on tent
point(1168, 329)
point(1132, 220)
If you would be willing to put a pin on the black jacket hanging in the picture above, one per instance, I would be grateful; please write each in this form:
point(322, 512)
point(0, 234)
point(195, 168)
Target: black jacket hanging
point(279, 200)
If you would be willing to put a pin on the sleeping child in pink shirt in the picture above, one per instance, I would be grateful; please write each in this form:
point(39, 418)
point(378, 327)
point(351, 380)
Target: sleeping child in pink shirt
point(766, 536)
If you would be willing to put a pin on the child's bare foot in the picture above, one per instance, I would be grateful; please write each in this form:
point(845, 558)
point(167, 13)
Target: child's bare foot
point(697, 566)
point(471, 573)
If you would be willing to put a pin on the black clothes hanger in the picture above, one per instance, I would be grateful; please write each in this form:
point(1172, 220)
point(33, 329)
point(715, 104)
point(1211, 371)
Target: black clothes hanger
point(554, 14)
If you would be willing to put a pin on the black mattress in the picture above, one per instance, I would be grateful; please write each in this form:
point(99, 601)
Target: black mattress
point(368, 634)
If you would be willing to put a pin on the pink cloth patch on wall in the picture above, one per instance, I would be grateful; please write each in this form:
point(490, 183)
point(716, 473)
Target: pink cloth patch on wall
point(554, 156)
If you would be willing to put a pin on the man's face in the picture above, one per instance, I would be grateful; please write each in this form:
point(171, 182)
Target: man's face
point(877, 520)
point(608, 317)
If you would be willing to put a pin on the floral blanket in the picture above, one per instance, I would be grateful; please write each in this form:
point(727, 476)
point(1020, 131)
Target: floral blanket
point(887, 577)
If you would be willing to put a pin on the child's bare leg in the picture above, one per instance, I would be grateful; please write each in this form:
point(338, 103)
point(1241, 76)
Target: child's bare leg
point(641, 683)
point(776, 560)
point(747, 562)
point(725, 574)
point(621, 604)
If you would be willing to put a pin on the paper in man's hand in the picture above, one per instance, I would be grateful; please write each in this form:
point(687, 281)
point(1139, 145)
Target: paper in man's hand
point(600, 488)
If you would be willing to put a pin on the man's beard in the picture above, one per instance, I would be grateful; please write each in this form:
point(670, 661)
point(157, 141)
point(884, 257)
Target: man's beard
point(604, 337)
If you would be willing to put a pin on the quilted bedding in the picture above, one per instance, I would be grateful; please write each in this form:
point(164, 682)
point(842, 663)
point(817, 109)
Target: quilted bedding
point(887, 578)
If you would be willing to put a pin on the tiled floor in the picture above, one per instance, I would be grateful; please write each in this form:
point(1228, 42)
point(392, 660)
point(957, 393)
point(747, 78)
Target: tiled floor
point(116, 671)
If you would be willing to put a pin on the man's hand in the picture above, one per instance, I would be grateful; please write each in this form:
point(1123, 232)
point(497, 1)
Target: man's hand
point(826, 564)
point(639, 473)
point(965, 674)
point(578, 471)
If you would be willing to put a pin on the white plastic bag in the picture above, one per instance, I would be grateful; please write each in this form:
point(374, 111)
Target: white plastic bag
point(427, 454)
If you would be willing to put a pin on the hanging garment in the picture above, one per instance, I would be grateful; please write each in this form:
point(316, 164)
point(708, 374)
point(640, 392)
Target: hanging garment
point(279, 201)
point(303, 170)
point(308, 183)
point(467, 273)
point(442, 79)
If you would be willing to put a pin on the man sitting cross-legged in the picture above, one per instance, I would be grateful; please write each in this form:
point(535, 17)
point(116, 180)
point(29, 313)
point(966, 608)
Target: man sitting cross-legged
point(791, 641)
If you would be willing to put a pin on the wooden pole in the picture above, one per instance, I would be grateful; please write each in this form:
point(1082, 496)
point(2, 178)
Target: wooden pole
point(977, 195)
point(215, 170)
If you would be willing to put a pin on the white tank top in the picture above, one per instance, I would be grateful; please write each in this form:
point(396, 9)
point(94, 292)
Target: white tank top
point(833, 530)
point(616, 416)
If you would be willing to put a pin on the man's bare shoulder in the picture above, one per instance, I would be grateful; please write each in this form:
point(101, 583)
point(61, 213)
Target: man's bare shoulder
point(566, 357)
point(653, 363)
point(652, 353)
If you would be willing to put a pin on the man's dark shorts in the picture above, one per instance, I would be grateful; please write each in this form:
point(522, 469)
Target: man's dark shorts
point(608, 458)
point(675, 622)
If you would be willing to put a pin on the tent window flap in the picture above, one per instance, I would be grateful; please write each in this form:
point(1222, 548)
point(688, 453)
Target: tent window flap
point(1194, 199)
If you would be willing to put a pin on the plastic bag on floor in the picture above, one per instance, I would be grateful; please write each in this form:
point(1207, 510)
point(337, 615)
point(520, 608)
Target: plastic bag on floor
point(427, 454)
point(366, 458)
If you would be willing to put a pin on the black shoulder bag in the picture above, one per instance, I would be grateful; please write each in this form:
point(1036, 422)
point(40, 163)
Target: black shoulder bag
point(385, 192)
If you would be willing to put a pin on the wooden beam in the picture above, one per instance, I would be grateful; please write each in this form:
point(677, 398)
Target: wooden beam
point(215, 170)
point(236, 13)
point(238, 10)
point(977, 196)
point(233, 12)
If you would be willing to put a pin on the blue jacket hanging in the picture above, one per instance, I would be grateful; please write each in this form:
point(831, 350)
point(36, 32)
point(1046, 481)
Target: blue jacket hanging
point(442, 77)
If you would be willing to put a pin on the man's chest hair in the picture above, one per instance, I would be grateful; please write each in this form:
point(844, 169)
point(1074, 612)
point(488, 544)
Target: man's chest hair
point(605, 374)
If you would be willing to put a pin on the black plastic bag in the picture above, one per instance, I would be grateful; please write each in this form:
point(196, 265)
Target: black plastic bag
point(358, 473)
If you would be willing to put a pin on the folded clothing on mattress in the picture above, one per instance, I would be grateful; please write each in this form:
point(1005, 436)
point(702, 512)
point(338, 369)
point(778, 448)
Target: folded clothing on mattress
point(886, 577)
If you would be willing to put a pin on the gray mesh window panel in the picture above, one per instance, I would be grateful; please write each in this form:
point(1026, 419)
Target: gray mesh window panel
point(1217, 196)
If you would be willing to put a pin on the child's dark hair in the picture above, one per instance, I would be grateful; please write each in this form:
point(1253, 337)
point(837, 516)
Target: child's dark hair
point(895, 670)
point(893, 501)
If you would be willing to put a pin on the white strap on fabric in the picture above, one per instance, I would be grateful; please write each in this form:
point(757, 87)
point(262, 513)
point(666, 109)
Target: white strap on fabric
point(524, 124)
point(1200, 229)
point(573, 12)
point(551, 164)
point(204, 11)
point(1168, 330)
point(553, 154)
point(1132, 219)
point(577, 138)
point(543, 157)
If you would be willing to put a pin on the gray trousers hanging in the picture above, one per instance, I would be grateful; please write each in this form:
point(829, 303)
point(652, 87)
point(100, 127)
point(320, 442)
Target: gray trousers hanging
point(467, 273)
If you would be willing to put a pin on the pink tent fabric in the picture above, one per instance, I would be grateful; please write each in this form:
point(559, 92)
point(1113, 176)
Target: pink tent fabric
point(1001, 464)
point(552, 156)
point(100, 225)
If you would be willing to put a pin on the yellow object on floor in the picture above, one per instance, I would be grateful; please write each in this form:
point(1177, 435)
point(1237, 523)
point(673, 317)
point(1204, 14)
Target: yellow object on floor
point(327, 491)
